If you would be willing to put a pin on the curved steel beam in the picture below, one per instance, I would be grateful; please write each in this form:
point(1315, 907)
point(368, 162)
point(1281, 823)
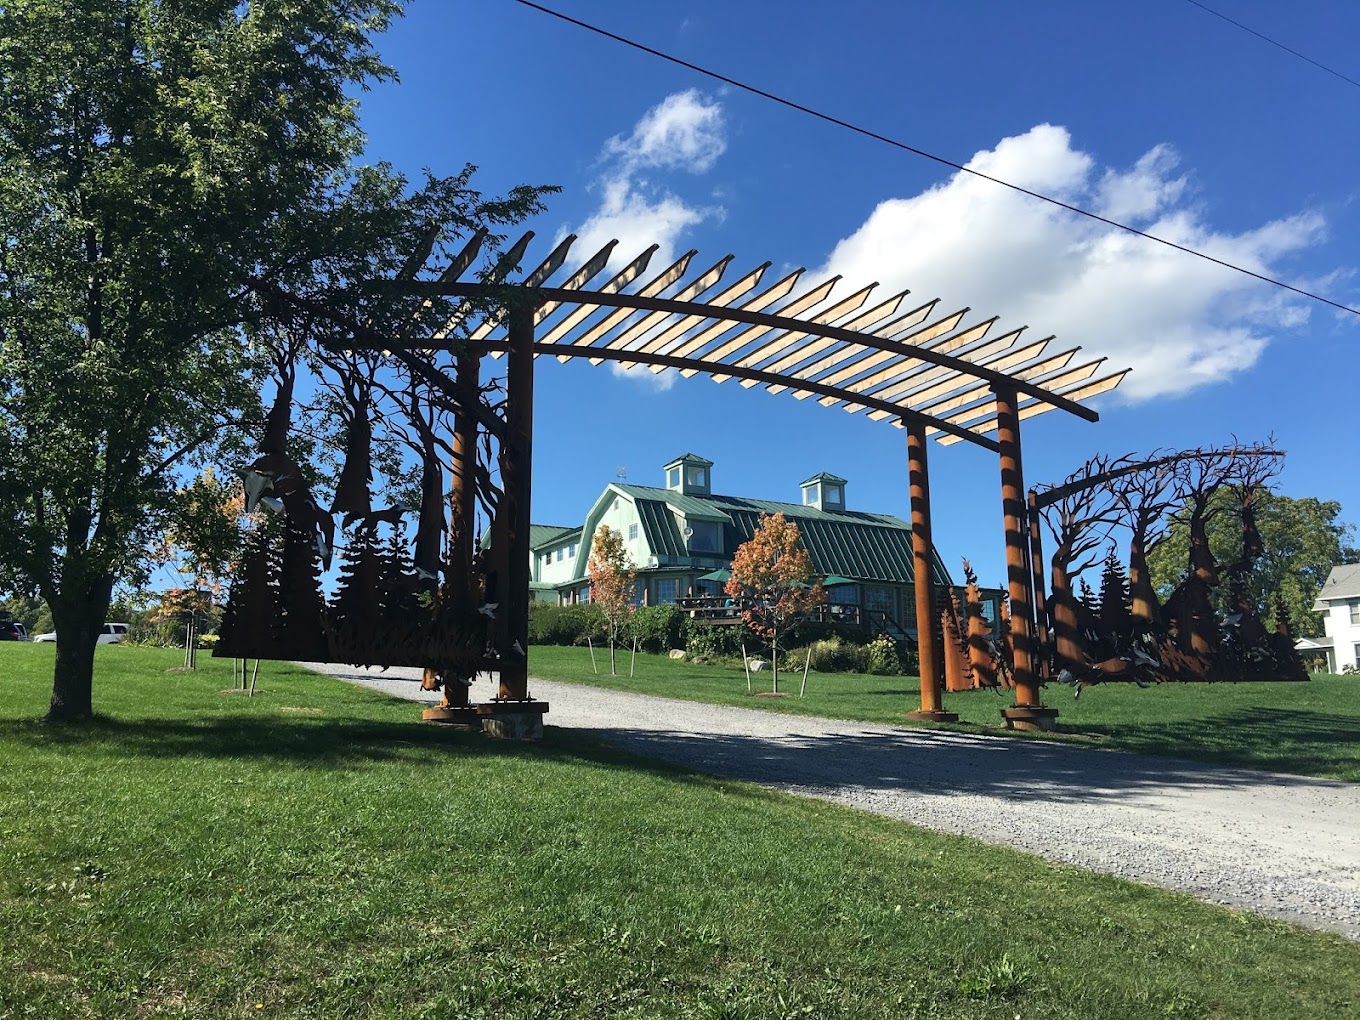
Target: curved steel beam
point(737, 372)
point(654, 304)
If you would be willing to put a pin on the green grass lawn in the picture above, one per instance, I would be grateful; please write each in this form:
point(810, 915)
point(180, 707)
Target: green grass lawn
point(318, 852)
point(1309, 728)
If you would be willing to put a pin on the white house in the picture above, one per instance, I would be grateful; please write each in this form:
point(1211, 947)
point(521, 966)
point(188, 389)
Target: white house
point(1340, 600)
point(679, 533)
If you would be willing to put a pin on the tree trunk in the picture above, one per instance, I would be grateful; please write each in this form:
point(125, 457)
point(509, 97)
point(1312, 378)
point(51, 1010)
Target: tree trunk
point(1069, 648)
point(78, 618)
point(774, 662)
point(1142, 596)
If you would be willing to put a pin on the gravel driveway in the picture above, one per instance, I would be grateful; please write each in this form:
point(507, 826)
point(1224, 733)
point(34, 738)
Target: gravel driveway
point(1283, 846)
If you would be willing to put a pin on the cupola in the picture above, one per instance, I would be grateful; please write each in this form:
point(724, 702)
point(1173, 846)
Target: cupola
point(690, 475)
point(825, 492)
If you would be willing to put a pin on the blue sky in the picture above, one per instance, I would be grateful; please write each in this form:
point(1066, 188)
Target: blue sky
point(1156, 113)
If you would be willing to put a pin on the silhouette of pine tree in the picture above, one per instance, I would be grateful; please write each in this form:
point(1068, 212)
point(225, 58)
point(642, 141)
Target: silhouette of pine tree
point(301, 627)
point(253, 602)
point(1115, 620)
point(399, 606)
point(355, 611)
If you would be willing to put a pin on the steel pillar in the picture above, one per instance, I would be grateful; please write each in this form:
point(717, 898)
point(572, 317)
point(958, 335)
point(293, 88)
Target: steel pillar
point(516, 464)
point(462, 549)
point(1028, 712)
point(1036, 577)
point(927, 644)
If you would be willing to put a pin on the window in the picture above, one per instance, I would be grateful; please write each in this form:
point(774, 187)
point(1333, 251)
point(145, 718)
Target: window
point(706, 536)
point(673, 478)
point(809, 495)
point(833, 495)
point(560, 553)
point(639, 591)
point(881, 598)
point(583, 594)
point(667, 588)
point(571, 550)
point(696, 476)
point(843, 594)
point(1355, 612)
point(632, 532)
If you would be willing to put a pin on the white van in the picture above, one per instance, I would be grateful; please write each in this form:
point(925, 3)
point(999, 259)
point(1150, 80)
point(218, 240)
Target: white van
point(110, 635)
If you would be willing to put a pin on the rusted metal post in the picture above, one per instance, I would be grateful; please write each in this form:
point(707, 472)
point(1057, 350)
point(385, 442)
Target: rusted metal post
point(1028, 712)
point(516, 462)
point(463, 509)
point(1036, 575)
point(927, 645)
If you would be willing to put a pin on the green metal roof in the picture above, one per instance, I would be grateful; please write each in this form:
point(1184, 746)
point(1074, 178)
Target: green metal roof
point(548, 534)
point(825, 476)
point(864, 551)
point(690, 458)
point(865, 546)
point(659, 528)
point(699, 508)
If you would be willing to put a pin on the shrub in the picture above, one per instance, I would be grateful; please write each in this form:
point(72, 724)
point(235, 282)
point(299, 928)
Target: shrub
point(884, 659)
point(656, 628)
point(833, 655)
point(564, 625)
point(711, 640)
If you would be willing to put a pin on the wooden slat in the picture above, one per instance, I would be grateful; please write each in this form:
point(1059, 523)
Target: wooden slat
point(891, 331)
point(651, 288)
point(687, 322)
point(863, 322)
point(758, 303)
point(752, 333)
point(768, 350)
point(921, 338)
point(616, 283)
point(650, 320)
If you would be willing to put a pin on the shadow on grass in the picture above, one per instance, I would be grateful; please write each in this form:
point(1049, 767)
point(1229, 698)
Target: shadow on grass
point(1290, 740)
point(327, 743)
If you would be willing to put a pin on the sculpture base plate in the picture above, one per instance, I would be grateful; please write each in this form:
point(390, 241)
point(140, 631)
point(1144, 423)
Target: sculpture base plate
point(1030, 717)
point(513, 720)
point(453, 715)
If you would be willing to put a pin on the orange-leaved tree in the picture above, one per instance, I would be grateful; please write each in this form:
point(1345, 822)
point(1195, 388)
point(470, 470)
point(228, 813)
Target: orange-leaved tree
point(772, 579)
point(611, 582)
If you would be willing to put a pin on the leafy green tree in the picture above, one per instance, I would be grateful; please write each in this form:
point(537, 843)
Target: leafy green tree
point(168, 172)
point(1302, 538)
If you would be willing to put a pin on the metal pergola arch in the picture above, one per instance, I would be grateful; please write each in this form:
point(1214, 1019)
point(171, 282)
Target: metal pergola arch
point(930, 376)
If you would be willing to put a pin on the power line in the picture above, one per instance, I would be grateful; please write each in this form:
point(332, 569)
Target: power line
point(1273, 42)
point(867, 133)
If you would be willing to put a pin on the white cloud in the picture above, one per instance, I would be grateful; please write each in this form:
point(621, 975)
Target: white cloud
point(682, 132)
point(686, 133)
point(1180, 322)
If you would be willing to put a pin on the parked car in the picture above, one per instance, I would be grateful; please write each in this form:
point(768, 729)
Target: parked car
point(12, 630)
point(111, 634)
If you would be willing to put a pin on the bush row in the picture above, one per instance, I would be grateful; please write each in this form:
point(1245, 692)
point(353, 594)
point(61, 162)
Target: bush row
point(657, 629)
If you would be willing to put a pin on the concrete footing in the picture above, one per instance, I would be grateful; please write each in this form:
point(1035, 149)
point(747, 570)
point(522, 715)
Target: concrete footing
point(1030, 717)
point(504, 720)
